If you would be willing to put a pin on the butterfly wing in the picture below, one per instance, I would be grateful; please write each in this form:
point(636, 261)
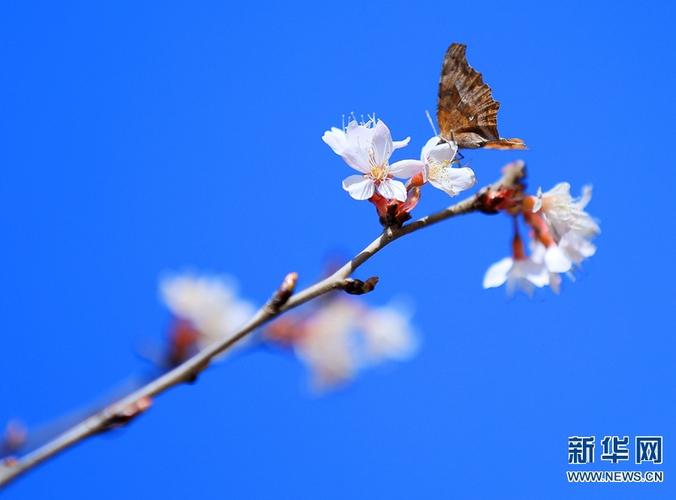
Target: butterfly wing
point(505, 144)
point(467, 112)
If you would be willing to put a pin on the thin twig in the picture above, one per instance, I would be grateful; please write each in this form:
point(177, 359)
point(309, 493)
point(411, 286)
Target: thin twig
point(132, 405)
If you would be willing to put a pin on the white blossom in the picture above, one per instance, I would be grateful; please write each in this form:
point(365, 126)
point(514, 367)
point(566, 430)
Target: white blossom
point(209, 303)
point(576, 247)
point(555, 261)
point(554, 257)
point(524, 274)
point(388, 334)
point(326, 344)
point(367, 148)
point(563, 213)
point(342, 337)
point(437, 159)
point(571, 226)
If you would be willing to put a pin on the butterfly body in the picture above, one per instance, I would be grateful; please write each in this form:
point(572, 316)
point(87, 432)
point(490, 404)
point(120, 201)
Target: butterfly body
point(467, 113)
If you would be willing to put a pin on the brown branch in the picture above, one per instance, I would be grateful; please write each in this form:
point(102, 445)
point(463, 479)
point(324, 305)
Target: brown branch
point(132, 405)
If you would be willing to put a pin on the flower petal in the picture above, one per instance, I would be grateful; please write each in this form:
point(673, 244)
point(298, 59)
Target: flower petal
point(359, 187)
point(537, 252)
point(357, 158)
point(382, 143)
point(537, 206)
point(585, 198)
point(442, 153)
point(496, 275)
point(388, 334)
point(391, 189)
point(534, 272)
point(576, 247)
point(401, 144)
point(453, 180)
point(336, 140)
point(429, 145)
point(358, 140)
point(406, 168)
point(556, 261)
point(341, 144)
point(555, 282)
point(562, 190)
point(359, 136)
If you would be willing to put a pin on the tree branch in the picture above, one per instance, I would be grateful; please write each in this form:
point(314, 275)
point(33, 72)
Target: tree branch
point(132, 405)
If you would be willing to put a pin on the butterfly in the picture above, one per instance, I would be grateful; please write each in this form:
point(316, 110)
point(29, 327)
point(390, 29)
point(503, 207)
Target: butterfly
point(466, 112)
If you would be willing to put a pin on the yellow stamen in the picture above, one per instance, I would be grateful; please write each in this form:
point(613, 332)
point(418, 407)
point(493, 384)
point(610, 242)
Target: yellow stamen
point(378, 172)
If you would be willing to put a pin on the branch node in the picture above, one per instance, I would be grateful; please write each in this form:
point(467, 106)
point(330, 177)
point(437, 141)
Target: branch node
point(505, 194)
point(358, 287)
point(283, 293)
point(125, 415)
point(192, 375)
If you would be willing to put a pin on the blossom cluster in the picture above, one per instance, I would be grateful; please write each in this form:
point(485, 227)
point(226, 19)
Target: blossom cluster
point(206, 309)
point(335, 340)
point(342, 336)
point(367, 148)
point(561, 238)
point(560, 228)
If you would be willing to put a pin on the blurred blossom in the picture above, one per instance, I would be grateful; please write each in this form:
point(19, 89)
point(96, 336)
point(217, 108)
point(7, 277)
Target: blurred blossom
point(388, 334)
point(207, 309)
point(523, 274)
point(576, 247)
point(561, 232)
point(328, 343)
point(567, 221)
point(342, 336)
point(564, 213)
point(14, 438)
point(554, 261)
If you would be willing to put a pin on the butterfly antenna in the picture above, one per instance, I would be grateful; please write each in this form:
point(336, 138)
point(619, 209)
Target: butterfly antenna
point(429, 119)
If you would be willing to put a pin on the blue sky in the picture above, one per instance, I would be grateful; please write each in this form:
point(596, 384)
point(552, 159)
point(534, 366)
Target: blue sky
point(145, 137)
